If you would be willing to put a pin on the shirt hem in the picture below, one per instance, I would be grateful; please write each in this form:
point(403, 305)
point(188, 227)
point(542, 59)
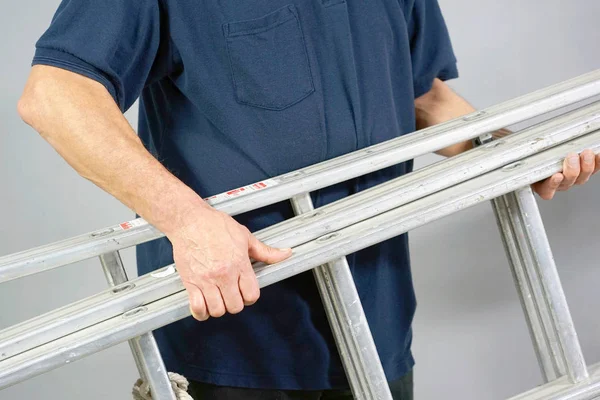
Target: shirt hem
point(282, 382)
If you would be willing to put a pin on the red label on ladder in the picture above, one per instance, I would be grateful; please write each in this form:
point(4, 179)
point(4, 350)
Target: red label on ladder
point(132, 224)
point(240, 191)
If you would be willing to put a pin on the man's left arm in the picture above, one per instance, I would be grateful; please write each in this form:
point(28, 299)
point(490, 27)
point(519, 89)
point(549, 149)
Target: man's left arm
point(441, 104)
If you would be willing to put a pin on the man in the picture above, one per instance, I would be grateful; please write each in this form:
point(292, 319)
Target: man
point(233, 93)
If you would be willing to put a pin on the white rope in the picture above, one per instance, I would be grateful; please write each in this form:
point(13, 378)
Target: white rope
point(141, 389)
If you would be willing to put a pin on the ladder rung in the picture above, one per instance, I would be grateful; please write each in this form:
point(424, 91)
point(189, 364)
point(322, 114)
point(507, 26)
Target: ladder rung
point(528, 221)
point(144, 347)
point(348, 323)
point(536, 310)
point(562, 389)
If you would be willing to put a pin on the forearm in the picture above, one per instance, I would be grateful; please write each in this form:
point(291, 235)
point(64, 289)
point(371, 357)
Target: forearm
point(79, 118)
point(439, 105)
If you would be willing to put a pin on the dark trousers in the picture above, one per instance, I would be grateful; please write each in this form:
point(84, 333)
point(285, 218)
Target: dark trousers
point(402, 389)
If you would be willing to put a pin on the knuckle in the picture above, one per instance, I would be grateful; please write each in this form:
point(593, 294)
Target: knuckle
point(199, 312)
point(218, 312)
point(236, 308)
point(220, 270)
point(253, 297)
point(242, 230)
point(266, 253)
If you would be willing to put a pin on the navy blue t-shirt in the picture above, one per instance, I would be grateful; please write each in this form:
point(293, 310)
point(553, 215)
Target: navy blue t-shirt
point(234, 92)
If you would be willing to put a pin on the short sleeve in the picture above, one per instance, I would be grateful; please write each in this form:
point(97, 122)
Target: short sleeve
point(114, 42)
point(431, 48)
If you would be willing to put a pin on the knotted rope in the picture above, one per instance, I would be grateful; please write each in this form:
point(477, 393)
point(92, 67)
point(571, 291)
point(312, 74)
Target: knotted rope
point(141, 389)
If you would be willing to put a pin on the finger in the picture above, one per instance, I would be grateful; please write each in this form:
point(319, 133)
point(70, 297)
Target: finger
point(597, 167)
point(571, 170)
point(248, 284)
point(547, 188)
point(587, 167)
point(261, 252)
point(230, 292)
point(214, 300)
point(197, 303)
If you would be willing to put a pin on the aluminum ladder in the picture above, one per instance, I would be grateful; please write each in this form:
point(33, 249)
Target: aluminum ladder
point(499, 171)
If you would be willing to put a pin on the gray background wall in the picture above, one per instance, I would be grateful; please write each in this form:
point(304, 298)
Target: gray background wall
point(471, 339)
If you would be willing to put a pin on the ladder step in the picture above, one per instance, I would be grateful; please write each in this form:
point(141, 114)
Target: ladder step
point(549, 301)
point(536, 310)
point(144, 347)
point(348, 323)
point(563, 389)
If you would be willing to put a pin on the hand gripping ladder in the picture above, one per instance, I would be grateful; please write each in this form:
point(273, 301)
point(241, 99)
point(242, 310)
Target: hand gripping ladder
point(500, 171)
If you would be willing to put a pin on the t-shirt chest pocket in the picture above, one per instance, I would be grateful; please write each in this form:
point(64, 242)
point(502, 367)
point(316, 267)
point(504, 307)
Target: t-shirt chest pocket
point(269, 60)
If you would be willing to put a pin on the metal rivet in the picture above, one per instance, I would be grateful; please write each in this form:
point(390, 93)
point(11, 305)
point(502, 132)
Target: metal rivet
point(312, 215)
point(290, 176)
point(494, 145)
point(135, 311)
point(123, 288)
point(474, 116)
point(511, 167)
point(102, 233)
point(328, 237)
point(170, 270)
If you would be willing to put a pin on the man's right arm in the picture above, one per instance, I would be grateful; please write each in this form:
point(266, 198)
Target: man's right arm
point(81, 120)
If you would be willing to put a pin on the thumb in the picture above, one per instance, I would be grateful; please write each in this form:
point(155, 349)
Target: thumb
point(261, 252)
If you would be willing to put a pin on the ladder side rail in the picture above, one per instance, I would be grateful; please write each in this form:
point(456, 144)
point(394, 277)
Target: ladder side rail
point(307, 256)
point(335, 216)
point(317, 176)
